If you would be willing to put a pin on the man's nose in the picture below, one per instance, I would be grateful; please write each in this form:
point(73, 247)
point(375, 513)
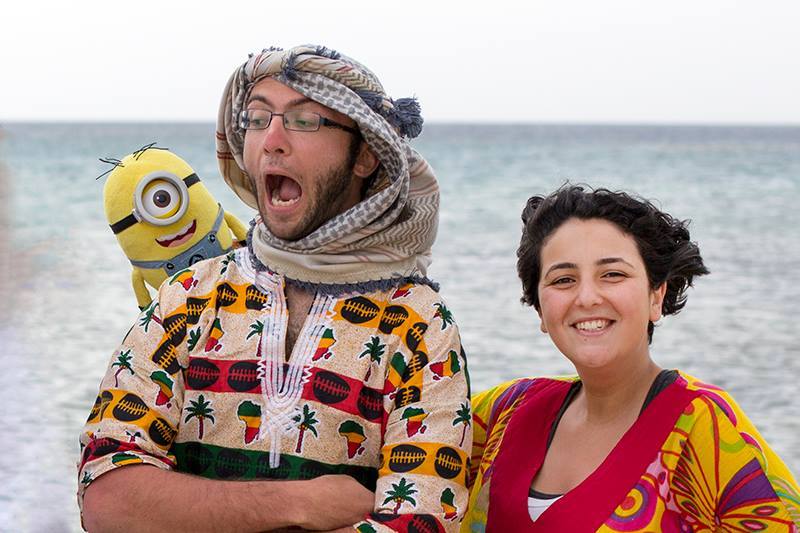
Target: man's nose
point(276, 139)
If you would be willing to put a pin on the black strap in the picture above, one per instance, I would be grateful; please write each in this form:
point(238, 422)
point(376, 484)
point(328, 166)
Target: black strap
point(125, 223)
point(191, 179)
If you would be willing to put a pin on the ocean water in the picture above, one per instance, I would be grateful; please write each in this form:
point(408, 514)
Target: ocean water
point(67, 300)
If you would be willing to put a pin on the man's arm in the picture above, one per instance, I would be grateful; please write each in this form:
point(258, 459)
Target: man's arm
point(427, 438)
point(141, 498)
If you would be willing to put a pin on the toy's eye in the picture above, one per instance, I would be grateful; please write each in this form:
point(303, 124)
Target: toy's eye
point(161, 199)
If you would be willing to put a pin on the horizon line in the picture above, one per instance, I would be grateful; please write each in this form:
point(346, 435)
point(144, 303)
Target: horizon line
point(499, 122)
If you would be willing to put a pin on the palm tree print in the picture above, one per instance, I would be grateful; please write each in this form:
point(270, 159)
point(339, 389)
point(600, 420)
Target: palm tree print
point(133, 436)
point(124, 363)
point(256, 328)
point(444, 313)
point(194, 337)
point(375, 350)
point(200, 409)
point(226, 262)
point(306, 423)
point(149, 315)
point(401, 492)
point(465, 418)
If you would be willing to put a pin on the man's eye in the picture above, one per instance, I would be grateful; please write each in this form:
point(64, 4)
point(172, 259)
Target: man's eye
point(301, 122)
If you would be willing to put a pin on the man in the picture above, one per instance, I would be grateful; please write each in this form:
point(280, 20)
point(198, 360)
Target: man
point(314, 378)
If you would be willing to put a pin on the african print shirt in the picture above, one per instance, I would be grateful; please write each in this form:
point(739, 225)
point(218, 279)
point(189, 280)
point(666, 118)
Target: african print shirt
point(376, 387)
point(691, 462)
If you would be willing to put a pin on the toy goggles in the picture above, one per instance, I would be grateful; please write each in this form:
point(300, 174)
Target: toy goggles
point(160, 199)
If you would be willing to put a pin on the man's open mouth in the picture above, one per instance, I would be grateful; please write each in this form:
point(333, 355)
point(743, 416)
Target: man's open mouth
point(180, 237)
point(283, 190)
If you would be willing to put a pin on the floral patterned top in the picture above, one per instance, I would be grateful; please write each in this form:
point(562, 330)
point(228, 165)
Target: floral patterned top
point(692, 461)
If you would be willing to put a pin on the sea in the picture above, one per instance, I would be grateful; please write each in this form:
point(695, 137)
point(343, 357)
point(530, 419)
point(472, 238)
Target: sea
point(66, 299)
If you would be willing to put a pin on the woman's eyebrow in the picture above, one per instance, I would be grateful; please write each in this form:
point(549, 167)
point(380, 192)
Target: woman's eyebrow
point(610, 260)
point(600, 262)
point(558, 266)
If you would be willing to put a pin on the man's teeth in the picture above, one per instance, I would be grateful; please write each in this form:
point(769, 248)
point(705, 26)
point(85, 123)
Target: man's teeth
point(592, 325)
point(276, 199)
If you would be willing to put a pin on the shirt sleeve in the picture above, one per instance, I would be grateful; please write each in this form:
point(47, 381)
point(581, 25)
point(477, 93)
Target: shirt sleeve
point(138, 407)
point(491, 410)
point(422, 481)
point(486, 406)
point(725, 457)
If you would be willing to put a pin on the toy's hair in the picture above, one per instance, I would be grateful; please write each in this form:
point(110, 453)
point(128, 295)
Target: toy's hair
point(152, 146)
point(663, 242)
point(136, 154)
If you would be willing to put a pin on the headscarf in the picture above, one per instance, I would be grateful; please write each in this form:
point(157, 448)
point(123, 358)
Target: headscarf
point(384, 240)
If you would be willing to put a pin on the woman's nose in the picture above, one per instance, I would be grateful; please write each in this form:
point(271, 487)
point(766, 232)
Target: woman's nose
point(589, 294)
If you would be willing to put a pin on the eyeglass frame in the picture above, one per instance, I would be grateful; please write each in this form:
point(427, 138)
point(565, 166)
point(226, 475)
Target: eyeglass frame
point(323, 121)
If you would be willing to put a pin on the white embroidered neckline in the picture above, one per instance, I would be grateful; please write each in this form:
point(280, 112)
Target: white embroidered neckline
point(282, 381)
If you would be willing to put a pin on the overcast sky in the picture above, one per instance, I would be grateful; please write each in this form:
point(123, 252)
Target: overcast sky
point(677, 61)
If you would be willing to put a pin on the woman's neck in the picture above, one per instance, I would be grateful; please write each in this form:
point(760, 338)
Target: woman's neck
point(613, 395)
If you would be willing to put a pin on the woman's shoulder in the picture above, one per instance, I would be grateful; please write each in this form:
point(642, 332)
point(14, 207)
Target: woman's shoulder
point(712, 397)
point(519, 385)
point(505, 395)
point(715, 409)
point(738, 443)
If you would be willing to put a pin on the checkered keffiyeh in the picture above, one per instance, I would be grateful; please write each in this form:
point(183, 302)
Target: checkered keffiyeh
point(387, 237)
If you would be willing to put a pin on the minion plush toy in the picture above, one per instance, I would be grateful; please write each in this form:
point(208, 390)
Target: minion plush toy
point(164, 217)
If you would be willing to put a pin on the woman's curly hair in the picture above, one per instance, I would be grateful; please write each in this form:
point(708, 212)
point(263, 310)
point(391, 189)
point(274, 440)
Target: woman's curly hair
point(663, 242)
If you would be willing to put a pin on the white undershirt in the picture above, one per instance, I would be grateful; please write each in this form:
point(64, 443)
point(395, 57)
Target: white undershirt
point(536, 506)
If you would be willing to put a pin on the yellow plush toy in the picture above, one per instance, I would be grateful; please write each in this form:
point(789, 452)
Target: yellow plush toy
point(164, 217)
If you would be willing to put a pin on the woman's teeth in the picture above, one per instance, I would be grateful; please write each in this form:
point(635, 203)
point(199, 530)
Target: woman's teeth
point(592, 325)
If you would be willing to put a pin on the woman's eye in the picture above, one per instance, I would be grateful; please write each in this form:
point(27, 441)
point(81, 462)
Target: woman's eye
point(561, 281)
point(614, 275)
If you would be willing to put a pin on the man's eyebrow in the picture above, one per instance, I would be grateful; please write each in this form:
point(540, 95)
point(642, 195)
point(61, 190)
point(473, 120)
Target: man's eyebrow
point(611, 260)
point(558, 266)
point(291, 103)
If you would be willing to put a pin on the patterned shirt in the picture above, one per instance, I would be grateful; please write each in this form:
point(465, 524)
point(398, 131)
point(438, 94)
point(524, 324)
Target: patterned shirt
point(376, 387)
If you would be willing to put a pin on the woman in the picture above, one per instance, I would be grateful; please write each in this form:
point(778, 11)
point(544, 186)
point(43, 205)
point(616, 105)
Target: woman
point(625, 445)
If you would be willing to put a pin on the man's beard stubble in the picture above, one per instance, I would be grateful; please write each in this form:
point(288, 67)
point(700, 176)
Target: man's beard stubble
point(329, 188)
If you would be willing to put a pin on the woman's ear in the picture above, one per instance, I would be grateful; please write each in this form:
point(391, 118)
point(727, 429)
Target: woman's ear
point(366, 161)
point(541, 322)
point(657, 302)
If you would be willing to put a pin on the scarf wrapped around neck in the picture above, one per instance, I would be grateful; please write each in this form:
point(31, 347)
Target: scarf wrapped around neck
point(383, 241)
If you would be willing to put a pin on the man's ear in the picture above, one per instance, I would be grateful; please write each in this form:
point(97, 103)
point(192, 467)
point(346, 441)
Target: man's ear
point(366, 161)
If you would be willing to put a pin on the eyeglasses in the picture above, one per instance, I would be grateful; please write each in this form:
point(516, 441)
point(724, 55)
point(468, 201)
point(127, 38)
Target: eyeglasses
point(295, 120)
